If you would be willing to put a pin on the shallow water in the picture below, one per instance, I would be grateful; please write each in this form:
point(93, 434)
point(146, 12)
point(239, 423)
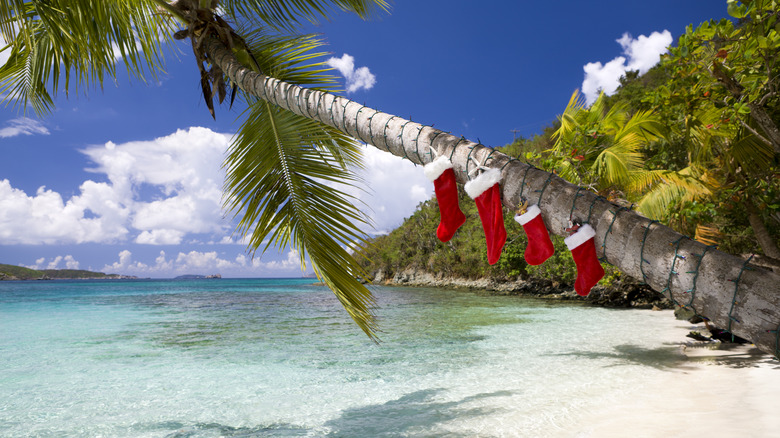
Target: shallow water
point(280, 358)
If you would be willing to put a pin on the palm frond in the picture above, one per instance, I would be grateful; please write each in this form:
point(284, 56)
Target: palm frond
point(752, 155)
point(690, 178)
point(278, 172)
point(295, 59)
point(286, 15)
point(645, 125)
point(612, 120)
point(615, 163)
point(567, 171)
point(284, 172)
point(569, 120)
point(607, 140)
point(20, 81)
point(12, 11)
point(665, 187)
point(60, 38)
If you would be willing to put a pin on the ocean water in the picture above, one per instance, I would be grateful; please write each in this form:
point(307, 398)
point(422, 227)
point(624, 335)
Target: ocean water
point(280, 358)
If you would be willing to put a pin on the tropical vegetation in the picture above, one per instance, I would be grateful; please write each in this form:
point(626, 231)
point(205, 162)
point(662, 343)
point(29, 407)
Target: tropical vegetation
point(692, 143)
point(11, 272)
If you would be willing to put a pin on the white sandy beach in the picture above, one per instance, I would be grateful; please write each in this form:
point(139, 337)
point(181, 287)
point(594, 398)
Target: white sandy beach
point(715, 390)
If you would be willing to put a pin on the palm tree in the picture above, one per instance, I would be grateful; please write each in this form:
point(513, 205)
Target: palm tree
point(719, 286)
point(280, 166)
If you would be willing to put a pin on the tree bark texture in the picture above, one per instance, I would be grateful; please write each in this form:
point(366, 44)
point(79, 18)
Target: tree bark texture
point(764, 120)
point(727, 290)
point(768, 246)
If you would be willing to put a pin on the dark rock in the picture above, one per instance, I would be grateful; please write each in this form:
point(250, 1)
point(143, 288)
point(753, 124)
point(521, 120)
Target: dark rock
point(627, 293)
point(696, 319)
point(697, 336)
point(624, 293)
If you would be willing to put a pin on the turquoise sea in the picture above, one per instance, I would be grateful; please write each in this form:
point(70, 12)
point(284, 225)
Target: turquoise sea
point(280, 358)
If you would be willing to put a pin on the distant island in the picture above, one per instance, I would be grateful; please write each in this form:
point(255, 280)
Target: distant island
point(12, 272)
point(197, 277)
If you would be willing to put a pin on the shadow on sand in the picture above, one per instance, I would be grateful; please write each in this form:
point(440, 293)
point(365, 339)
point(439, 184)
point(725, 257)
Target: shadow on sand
point(411, 415)
point(684, 356)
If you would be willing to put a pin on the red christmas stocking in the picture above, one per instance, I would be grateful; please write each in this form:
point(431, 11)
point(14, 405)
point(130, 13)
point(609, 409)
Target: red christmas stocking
point(487, 195)
point(441, 174)
point(583, 249)
point(540, 247)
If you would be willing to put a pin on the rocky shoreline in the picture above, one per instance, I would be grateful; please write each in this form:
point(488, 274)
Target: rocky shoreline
point(623, 293)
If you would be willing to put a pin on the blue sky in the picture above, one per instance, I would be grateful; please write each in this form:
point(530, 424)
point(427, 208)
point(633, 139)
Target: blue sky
point(127, 179)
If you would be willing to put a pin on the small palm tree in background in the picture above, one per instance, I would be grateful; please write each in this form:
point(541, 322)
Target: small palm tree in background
point(600, 147)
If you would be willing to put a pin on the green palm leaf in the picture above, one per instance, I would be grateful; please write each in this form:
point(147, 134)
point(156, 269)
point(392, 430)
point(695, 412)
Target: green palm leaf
point(665, 187)
point(608, 140)
point(644, 125)
point(283, 174)
point(615, 163)
point(279, 169)
point(287, 14)
point(60, 38)
point(753, 156)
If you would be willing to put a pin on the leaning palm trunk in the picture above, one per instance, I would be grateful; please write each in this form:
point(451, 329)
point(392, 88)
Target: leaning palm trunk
point(723, 288)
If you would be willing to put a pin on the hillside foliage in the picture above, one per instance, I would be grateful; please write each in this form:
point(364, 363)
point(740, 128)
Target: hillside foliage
point(12, 272)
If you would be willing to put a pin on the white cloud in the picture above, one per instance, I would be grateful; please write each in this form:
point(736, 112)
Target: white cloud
point(125, 265)
point(641, 54)
point(53, 264)
point(160, 237)
point(169, 219)
point(70, 263)
point(5, 54)
point(157, 192)
point(22, 125)
point(199, 260)
point(161, 192)
point(182, 172)
point(395, 188)
point(292, 262)
point(357, 79)
point(162, 264)
point(204, 262)
point(645, 52)
point(46, 218)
